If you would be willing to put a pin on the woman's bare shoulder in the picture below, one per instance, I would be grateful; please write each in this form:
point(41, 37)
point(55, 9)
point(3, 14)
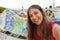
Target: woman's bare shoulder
point(56, 31)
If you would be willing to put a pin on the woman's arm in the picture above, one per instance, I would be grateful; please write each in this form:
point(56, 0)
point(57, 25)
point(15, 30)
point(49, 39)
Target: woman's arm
point(56, 31)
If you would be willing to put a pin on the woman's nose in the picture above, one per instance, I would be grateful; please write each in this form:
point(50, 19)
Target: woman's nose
point(34, 16)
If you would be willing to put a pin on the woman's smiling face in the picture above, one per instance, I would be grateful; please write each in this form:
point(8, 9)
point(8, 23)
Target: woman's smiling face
point(35, 16)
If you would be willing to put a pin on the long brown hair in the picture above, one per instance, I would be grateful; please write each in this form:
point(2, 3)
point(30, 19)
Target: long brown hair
point(44, 27)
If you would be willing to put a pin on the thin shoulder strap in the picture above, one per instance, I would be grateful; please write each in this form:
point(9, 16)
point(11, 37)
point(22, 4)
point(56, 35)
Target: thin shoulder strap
point(51, 25)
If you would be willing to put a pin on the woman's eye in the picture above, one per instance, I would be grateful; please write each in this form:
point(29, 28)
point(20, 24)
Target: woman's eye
point(30, 15)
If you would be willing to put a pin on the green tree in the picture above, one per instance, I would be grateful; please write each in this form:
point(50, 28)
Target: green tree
point(2, 9)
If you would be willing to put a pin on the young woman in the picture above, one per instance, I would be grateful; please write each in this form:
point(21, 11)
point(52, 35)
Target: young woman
point(39, 27)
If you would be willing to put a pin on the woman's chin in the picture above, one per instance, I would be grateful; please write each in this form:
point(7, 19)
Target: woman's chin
point(37, 24)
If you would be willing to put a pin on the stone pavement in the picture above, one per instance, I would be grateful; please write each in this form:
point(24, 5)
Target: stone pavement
point(8, 37)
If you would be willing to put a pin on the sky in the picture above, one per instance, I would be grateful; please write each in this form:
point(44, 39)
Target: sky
point(17, 4)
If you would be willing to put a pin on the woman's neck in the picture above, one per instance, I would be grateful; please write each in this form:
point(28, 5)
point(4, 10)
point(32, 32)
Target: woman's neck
point(38, 30)
point(38, 27)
